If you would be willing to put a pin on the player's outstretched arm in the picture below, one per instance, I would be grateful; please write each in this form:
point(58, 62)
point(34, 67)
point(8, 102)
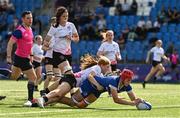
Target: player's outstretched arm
point(119, 100)
point(133, 97)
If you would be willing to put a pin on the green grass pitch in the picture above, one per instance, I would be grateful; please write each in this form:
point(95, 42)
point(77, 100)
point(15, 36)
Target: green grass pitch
point(165, 100)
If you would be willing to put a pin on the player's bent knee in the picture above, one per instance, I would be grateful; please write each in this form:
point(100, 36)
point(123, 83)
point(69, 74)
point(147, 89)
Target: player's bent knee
point(67, 69)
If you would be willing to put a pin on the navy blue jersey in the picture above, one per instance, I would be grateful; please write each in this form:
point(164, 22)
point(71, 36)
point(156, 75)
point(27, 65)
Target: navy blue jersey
point(112, 82)
point(107, 82)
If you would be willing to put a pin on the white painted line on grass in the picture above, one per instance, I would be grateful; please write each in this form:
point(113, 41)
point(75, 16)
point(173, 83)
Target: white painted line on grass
point(14, 90)
point(165, 106)
point(95, 109)
point(34, 112)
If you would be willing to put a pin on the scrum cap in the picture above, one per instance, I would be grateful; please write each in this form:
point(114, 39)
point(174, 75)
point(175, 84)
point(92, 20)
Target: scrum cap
point(126, 74)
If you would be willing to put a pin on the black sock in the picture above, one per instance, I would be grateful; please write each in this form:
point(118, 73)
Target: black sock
point(45, 98)
point(36, 87)
point(30, 87)
point(47, 91)
point(5, 72)
point(20, 77)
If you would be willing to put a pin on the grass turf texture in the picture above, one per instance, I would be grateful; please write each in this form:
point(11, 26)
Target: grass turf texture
point(165, 100)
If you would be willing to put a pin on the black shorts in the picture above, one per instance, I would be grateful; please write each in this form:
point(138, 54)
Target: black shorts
point(70, 79)
point(22, 63)
point(49, 61)
point(173, 66)
point(58, 58)
point(155, 63)
point(114, 67)
point(36, 64)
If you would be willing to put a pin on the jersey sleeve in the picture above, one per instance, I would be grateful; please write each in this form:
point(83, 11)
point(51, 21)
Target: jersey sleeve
point(163, 51)
point(97, 70)
point(118, 50)
point(125, 88)
point(128, 88)
point(17, 34)
point(51, 31)
point(101, 48)
point(152, 49)
point(74, 30)
point(112, 85)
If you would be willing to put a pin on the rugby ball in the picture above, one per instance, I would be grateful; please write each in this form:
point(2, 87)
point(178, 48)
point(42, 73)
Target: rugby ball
point(144, 106)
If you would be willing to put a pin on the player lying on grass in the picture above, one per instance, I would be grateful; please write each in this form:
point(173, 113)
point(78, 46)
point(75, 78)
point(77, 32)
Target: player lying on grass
point(90, 68)
point(88, 93)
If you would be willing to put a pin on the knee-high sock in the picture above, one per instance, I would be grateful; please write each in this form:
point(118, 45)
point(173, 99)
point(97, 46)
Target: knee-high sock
point(30, 87)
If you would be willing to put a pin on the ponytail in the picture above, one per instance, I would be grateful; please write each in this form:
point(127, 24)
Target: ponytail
point(87, 61)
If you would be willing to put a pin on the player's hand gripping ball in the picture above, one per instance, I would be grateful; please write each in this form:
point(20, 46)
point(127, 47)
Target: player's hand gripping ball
point(144, 106)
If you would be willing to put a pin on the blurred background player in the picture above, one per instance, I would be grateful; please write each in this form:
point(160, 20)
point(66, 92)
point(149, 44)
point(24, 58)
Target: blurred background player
point(37, 60)
point(174, 58)
point(157, 54)
point(110, 49)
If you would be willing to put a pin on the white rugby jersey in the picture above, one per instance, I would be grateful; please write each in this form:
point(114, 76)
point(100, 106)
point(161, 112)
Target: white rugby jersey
point(37, 51)
point(157, 53)
point(49, 53)
point(82, 75)
point(110, 50)
point(61, 44)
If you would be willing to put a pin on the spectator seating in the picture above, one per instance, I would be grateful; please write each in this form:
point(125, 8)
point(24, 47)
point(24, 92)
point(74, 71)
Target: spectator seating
point(134, 50)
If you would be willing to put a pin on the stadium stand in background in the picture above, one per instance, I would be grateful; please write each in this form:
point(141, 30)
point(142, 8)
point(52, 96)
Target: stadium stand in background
point(135, 25)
